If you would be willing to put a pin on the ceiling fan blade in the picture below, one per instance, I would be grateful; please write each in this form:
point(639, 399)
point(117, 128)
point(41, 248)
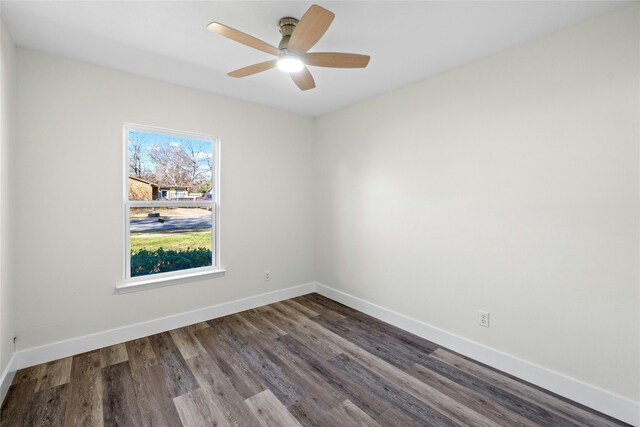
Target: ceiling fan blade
point(243, 38)
point(312, 26)
point(336, 60)
point(303, 79)
point(253, 69)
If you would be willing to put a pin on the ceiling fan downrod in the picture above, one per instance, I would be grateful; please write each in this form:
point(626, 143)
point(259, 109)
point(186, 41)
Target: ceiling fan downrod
point(286, 27)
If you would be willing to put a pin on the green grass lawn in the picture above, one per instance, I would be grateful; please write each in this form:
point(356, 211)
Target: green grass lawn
point(170, 241)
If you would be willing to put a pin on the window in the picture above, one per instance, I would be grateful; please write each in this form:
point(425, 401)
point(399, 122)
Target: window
point(171, 204)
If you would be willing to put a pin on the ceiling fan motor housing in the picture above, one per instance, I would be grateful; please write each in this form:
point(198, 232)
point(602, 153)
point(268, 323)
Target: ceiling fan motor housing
point(286, 26)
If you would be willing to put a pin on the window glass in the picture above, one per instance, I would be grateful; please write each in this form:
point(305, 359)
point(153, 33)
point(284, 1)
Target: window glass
point(171, 202)
point(168, 166)
point(169, 239)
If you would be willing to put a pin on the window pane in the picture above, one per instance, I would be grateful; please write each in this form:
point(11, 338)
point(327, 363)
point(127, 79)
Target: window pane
point(168, 167)
point(170, 239)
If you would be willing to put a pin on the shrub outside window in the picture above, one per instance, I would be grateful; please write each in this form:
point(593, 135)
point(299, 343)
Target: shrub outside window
point(171, 203)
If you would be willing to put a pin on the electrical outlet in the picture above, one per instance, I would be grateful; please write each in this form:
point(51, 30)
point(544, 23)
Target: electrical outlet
point(267, 276)
point(484, 318)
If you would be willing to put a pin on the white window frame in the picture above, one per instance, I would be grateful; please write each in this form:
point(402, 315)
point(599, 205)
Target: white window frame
point(162, 279)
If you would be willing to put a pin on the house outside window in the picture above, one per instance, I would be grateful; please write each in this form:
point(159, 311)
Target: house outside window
point(171, 230)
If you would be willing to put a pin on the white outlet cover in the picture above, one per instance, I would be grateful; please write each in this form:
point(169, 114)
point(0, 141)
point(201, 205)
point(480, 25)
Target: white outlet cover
point(484, 318)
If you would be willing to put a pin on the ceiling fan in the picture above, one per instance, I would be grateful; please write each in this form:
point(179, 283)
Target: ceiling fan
point(292, 52)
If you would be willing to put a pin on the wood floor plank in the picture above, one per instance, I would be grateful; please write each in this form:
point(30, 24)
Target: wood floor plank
point(392, 417)
point(349, 415)
point(113, 354)
point(383, 330)
point(230, 402)
point(56, 373)
point(269, 411)
point(397, 397)
point(306, 311)
point(468, 398)
point(385, 349)
point(140, 353)
point(119, 403)
point(144, 406)
point(368, 326)
point(335, 381)
point(302, 331)
point(374, 326)
point(243, 379)
point(178, 377)
point(288, 310)
point(187, 344)
point(334, 306)
point(535, 413)
point(17, 402)
point(264, 326)
point(154, 400)
point(198, 408)
point(272, 375)
point(310, 414)
point(47, 407)
point(401, 380)
point(240, 325)
point(196, 326)
point(318, 308)
point(557, 405)
point(30, 373)
point(311, 386)
point(85, 391)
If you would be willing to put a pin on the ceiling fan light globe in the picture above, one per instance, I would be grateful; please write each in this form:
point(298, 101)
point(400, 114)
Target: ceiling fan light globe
point(290, 64)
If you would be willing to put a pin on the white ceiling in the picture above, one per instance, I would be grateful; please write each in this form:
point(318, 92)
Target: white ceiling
point(167, 40)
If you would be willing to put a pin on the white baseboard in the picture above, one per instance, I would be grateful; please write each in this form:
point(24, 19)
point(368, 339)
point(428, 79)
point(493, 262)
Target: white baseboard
point(7, 377)
point(601, 400)
point(571, 388)
point(46, 353)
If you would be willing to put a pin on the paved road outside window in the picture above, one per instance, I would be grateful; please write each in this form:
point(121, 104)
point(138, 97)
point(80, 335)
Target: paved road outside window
point(149, 225)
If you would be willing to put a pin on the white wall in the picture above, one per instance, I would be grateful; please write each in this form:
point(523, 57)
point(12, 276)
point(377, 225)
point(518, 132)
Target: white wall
point(509, 185)
point(7, 142)
point(69, 246)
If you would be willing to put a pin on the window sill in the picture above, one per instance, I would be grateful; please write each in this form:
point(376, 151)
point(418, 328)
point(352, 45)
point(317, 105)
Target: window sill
point(135, 285)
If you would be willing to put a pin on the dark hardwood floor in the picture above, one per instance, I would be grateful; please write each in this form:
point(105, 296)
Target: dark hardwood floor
point(305, 361)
